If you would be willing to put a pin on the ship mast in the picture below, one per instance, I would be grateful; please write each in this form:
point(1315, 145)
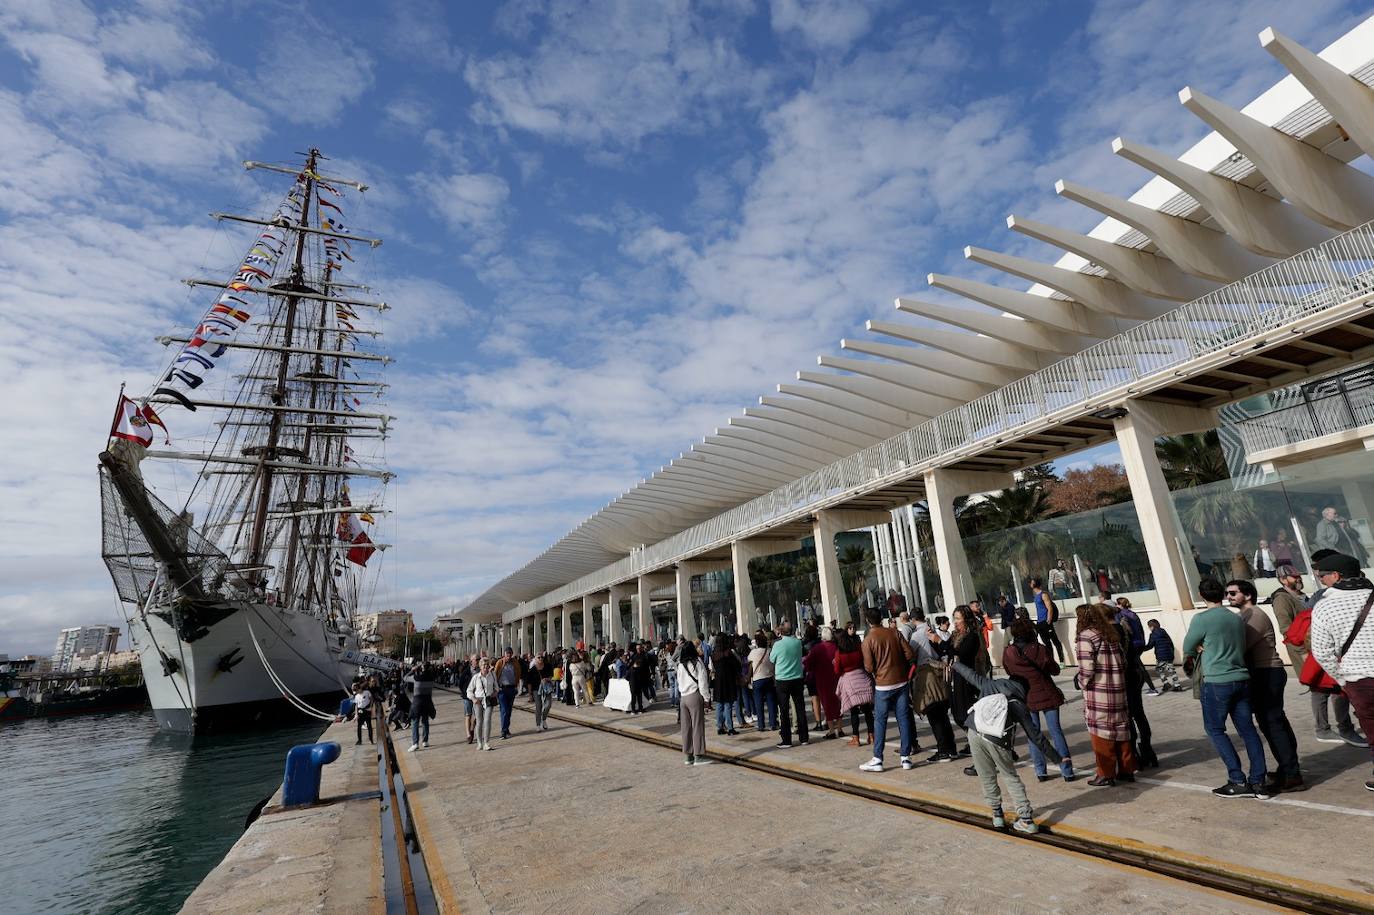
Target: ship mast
point(293, 540)
point(269, 453)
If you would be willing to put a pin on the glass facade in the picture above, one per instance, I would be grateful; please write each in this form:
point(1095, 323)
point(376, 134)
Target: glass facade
point(1318, 493)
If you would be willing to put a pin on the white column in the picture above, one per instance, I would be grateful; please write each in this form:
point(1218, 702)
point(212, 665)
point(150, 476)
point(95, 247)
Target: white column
point(642, 615)
point(686, 620)
point(589, 604)
point(613, 628)
point(900, 536)
point(1165, 546)
point(647, 585)
point(879, 556)
point(565, 629)
point(741, 551)
point(824, 526)
point(916, 558)
point(682, 576)
point(942, 488)
point(890, 553)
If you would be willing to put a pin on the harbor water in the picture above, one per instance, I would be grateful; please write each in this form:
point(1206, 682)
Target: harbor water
point(109, 814)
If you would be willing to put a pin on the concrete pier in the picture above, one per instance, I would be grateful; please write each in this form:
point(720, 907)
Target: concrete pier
point(580, 818)
point(326, 858)
point(576, 819)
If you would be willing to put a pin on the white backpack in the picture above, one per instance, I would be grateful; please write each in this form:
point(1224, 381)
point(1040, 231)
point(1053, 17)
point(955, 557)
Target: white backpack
point(990, 716)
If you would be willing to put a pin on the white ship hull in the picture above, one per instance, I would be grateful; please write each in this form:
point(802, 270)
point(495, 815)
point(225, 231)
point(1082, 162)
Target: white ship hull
point(218, 681)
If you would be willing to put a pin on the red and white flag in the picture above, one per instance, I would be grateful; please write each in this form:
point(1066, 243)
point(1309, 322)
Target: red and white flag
point(351, 531)
point(135, 424)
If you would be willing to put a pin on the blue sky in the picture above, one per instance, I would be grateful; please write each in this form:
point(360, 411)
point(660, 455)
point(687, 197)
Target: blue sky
point(609, 225)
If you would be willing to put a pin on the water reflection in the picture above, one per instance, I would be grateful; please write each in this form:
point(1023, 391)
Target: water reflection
point(107, 813)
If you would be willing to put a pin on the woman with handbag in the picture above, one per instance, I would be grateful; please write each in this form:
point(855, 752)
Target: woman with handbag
point(725, 685)
point(930, 689)
point(1102, 678)
point(1028, 661)
point(966, 647)
point(853, 686)
point(761, 683)
point(694, 690)
point(482, 692)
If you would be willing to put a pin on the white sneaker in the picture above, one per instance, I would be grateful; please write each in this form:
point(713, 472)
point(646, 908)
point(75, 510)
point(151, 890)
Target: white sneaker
point(873, 765)
point(412, 748)
point(907, 763)
point(424, 745)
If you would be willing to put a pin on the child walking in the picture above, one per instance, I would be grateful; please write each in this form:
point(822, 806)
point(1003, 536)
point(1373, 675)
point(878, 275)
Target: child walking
point(1163, 647)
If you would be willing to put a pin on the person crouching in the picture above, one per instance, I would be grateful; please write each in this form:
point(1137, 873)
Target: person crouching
point(992, 724)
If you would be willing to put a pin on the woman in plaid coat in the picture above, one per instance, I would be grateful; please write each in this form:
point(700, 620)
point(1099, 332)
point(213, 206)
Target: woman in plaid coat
point(1102, 678)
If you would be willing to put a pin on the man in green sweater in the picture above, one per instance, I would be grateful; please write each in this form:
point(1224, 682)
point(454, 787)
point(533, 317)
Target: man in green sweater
point(1218, 635)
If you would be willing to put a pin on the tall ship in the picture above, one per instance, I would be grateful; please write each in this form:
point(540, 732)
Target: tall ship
point(265, 434)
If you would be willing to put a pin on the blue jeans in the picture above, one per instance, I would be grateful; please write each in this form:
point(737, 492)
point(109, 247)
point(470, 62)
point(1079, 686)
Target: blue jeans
point(1223, 700)
point(725, 716)
point(674, 697)
point(1266, 700)
point(746, 702)
point(507, 699)
point(419, 725)
point(899, 702)
point(1056, 737)
point(765, 697)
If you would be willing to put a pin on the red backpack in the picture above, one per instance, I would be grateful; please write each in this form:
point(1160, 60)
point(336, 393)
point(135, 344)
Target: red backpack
point(1312, 675)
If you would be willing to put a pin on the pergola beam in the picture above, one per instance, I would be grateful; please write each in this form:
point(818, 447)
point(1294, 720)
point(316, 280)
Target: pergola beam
point(1070, 316)
point(1261, 223)
point(934, 360)
point(973, 346)
point(1146, 273)
point(1326, 189)
point(1195, 248)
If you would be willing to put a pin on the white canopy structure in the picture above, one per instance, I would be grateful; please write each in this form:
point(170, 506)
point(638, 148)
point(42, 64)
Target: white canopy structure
point(1138, 306)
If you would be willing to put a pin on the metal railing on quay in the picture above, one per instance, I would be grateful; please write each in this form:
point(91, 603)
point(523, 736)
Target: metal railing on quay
point(1337, 271)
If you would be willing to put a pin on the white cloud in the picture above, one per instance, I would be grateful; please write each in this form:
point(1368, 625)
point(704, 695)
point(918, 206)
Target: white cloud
point(611, 76)
point(72, 74)
point(158, 44)
point(468, 202)
point(418, 33)
point(191, 125)
point(40, 170)
point(410, 113)
point(422, 309)
point(830, 24)
point(314, 85)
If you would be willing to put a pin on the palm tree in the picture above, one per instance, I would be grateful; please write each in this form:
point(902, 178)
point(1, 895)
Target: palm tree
point(1013, 535)
point(1194, 459)
point(854, 555)
point(1016, 506)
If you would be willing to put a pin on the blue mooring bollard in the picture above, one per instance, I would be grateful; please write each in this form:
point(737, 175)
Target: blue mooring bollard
point(303, 764)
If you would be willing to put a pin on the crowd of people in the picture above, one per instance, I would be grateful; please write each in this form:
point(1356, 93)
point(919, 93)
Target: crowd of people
point(906, 667)
point(408, 695)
